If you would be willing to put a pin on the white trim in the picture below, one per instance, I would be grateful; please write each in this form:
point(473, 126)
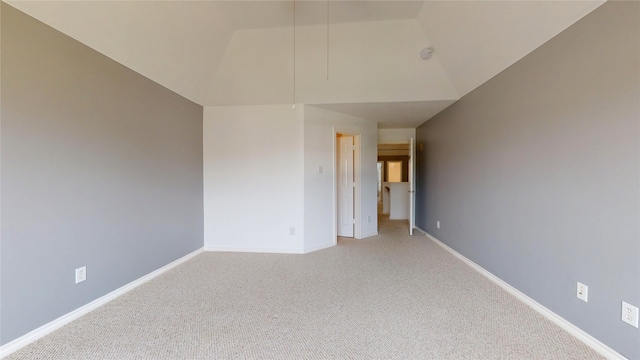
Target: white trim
point(357, 194)
point(375, 233)
point(48, 328)
point(420, 230)
point(413, 142)
point(334, 208)
point(253, 250)
point(580, 334)
point(319, 247)
point(269, 250)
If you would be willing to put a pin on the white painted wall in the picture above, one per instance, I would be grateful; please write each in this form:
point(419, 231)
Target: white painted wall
point(320, 126)
point(253, 178)
point(262, 177)
point(385, 197)
point(399, 201)
point(395, 136)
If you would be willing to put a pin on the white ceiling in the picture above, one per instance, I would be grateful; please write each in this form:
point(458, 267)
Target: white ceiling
point(365, 62)
point(390, 115)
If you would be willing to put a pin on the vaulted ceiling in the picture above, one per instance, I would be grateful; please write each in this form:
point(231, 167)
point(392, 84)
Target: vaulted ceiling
point(357, 57)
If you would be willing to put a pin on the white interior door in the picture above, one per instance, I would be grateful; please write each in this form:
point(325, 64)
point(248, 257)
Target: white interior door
point(346, 186)
point(412, 191)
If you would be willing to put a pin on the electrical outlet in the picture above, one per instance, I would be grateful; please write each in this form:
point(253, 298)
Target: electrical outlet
point(582, 292)
point(438, 224)
point(369, 218)
point(81, 274)
point(630, 314)
point(292, 231)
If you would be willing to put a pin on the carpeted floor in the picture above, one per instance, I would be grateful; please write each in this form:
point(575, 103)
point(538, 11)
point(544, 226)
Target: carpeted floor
point(393, 296)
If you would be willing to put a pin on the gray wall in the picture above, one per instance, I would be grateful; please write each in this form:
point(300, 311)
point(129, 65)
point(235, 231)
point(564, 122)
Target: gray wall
point(535, 174)
point(100, 167)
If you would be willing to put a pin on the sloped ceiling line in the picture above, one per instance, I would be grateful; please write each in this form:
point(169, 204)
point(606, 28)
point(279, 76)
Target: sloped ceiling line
point(220, 53)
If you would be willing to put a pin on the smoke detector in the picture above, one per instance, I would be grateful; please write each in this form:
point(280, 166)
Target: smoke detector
point(426, 53)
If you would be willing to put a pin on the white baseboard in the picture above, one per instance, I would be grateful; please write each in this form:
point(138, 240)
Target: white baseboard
point(420, 230)
point(48, 328)
point(369, 235)
point(254, 250)
point(580, 334)
point(268, 250)
point(319, 247)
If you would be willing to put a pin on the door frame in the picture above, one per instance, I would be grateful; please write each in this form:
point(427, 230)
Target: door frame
point(412, 185)
point(411, 140)
point(357, 191)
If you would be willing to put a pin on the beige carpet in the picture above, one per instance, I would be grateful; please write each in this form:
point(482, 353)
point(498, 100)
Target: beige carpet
point(388, 297)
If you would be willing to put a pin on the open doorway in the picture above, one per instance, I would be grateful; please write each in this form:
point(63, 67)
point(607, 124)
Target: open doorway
point(395, 171)
point(397, 182)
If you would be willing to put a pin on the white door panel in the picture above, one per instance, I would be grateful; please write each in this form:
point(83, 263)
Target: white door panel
point(345, 186)
point(344, 212)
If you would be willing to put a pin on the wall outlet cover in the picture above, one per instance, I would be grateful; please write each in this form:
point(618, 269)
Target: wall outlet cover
point(630, 314)
point(81, 274)
point(582, 292)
